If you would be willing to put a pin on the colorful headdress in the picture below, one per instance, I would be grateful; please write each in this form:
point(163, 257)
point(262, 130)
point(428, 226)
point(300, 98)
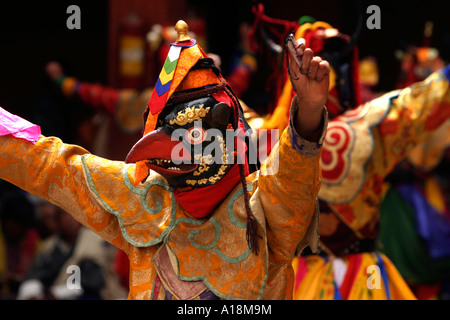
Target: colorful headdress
point(175, 76)
point(188, 74)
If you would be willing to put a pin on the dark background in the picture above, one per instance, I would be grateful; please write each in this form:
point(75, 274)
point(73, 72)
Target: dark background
point(33, 33)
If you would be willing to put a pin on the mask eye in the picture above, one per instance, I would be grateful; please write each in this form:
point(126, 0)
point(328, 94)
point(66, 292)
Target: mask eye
point(195, 135)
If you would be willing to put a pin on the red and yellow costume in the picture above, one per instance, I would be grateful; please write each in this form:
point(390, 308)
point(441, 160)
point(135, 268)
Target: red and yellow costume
point(361, 147)
point(172, 254)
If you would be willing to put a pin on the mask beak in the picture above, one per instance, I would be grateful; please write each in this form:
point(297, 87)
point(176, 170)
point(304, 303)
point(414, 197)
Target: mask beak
point(156, 149)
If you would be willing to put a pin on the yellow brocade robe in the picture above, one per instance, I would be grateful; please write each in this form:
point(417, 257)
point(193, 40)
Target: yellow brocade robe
point(161, 239)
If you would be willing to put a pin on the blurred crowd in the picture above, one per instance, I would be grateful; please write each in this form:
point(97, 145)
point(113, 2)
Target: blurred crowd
point(39, 245)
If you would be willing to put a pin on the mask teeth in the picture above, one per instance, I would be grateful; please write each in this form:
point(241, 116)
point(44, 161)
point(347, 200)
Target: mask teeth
point(167, 164)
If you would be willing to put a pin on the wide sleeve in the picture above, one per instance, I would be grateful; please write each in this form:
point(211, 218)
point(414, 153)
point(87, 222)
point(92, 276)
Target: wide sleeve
point(126, 105)
point(53, 171)
point(413, 115)
point(288, 185)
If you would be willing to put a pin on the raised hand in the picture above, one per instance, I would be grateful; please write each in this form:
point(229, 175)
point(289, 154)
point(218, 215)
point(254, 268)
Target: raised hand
point(310, 79)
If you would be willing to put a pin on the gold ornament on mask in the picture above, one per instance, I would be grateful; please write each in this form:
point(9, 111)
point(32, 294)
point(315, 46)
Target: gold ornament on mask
point(208, 160)
point(190, 115)
point(204, 166)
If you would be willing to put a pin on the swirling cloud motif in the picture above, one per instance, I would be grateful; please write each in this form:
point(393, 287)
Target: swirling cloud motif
point(347, 147)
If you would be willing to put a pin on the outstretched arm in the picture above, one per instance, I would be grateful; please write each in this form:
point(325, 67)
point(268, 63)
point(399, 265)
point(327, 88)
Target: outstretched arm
point(52, 170)
point(411, 115)
point(93, 94)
